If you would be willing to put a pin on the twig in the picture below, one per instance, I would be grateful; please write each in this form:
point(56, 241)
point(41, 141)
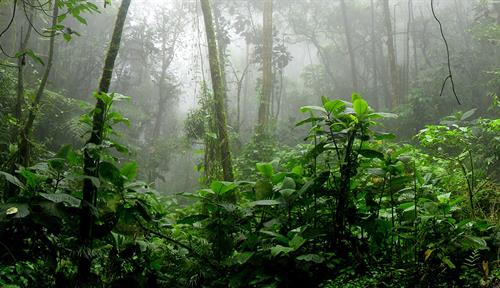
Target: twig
point(11, 19)
point(450, 75)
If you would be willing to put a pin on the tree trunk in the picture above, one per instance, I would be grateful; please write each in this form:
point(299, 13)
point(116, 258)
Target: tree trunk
point(348, 33)
point(218, 91)
point(414, 44)
point(24, 144)
point(393, 70)
point(222, 45)
point(374, 58)
point(91, 162)
point(406, 76)
point(267, 74)
point(21, 61)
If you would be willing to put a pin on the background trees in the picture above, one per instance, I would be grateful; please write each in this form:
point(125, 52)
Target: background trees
point(314, 193)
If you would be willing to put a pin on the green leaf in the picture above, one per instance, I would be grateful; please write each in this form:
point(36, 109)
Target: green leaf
point(222, 187)
point(238, 258)
point(444, 198)
point(109, 172)
point(311, 258)
point(278, 249)
point(296, 242)
point(311, 108)
point(129, 170)
point(309, 120)
point(268, 202)
point(360, 106)
point(468, 114)
point(369, 153)
point(67, 37)
point(13, 179)
point(355, 96)
point(334, 106)
point(30, 54)
point(266, 169)
point(376, 171)
point(32, 179)
point(448, 262)
point(473, 242)
point(119, 97)
point(64, 151)
point(13, 210)
point(211, 135)
point(382, 115)
point(288, 183)
point(57, 163)
point(62, 198)
point(263, 189)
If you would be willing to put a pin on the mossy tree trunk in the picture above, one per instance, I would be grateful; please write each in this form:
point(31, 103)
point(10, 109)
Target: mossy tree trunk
point(25, 133)
point(267, 73)
point(391, 51)
point(218, 92)
point(91, 160)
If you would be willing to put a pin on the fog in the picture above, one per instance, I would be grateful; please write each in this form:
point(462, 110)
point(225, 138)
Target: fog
point(311, 58)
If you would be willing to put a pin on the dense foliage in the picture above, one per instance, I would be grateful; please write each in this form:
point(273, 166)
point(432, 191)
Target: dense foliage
point(274, 174)
point(349, 207)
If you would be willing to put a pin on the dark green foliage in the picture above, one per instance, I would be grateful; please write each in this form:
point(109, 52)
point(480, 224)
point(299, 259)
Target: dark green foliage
point(406, 218)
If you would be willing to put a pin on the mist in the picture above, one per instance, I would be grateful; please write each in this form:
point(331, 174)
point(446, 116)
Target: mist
point(249, 143)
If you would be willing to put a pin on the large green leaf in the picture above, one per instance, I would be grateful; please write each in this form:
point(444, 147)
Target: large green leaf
point(473, 242)
point(360, 106)
point(12, 179)
point(278, 249)
point(335, 106)
point(266, 169)
point(269, 202)
point(222, 187)
point(369, 153)
point(109, 172)
point(129, 170)
point(62, 198)
point(13, 210)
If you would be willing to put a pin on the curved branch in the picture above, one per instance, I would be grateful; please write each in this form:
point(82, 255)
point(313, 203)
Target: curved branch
point(450, 75)
point(11, 19)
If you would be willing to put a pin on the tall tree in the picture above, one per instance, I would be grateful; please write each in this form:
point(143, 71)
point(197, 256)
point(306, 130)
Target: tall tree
point(267, 73)
point(348, 35)
point(374, 57)
point(222, 43)
point(21, 62)
point(218, 92)
point(24, 143)
point(91, 160)
point(391, 51)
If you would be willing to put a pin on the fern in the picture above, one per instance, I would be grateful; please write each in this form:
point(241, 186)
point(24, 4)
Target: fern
point(473, 259)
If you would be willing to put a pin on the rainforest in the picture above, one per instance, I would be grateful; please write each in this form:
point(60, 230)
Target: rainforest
point(249, 143)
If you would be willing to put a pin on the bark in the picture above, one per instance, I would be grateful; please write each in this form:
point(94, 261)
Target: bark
point(91, 161)
point(267, 77)
point(374, 57)
point(218, 92)
point(414, 44)
point(406, 76)
point(393, 69)
point(21, 61)
point(24, 144)
point(348, 33)
point(222, 45)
